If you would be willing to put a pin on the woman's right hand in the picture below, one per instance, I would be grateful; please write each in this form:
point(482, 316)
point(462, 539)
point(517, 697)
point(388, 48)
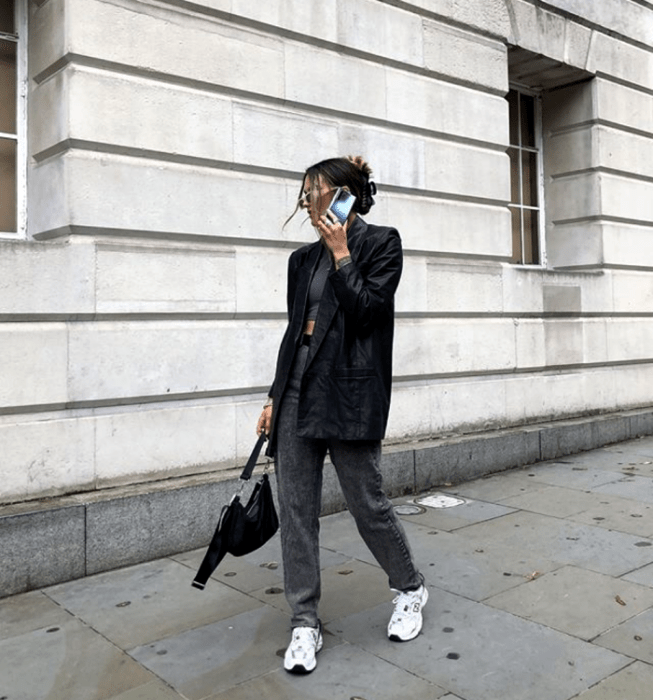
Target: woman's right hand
point(265, 421)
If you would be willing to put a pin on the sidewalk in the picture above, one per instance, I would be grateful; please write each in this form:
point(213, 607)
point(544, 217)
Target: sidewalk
point(540, 582)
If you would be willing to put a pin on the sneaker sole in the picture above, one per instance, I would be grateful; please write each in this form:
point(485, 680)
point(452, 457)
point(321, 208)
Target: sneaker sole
point(299, 670)
point(394, 638)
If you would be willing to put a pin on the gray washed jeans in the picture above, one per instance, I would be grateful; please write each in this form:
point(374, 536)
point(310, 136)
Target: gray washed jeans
point(299, 465)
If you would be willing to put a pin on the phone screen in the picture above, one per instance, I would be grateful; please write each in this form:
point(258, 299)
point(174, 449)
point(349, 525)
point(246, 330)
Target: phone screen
point(341, 204)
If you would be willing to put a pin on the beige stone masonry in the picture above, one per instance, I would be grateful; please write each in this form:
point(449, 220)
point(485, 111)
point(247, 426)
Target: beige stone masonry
point(46, 279)
point(46, 455)
point(425, 103)
point(166, 145)
point(623, 16)
point(151, 279)
point(630, 245)
point(444, 406)
point(624, 106)
point(464, 56)
point(448, 227)
point(34, 367)
point(620, 60)
point(129, 360)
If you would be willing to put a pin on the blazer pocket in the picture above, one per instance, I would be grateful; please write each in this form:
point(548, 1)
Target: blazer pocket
point(355, 388)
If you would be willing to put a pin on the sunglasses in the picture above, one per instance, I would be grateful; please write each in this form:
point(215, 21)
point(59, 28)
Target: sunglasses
point(305, 199)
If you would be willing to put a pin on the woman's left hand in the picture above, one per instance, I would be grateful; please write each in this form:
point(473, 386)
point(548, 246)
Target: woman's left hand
point(334, 234)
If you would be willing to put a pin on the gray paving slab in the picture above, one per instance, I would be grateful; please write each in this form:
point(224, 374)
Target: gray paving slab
point(598, 459)
point(344, 672)
point(633, 638)
point(620, 462)
point(520, 578)
point(449, 519)
point(28, 612)
point(476, 571)
point(272, 550)
point(638, 469)
point(346, 588)
point(637, 488)
point(269, 554)
point(622, 514)
point(146, 602)
point(479, 653)
point(643, 576)
point(157, 690)
point(237, 572)
point(211, 659)
point(639, 446)
point(572, 476)
point(554, 500)
point(631, 683)
point(66, 662)
point(493, 488)
point(449, 560)
point(564, 541)
point(579, 602)
point(338, 534)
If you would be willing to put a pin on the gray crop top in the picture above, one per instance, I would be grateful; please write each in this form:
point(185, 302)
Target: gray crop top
point(317, 286)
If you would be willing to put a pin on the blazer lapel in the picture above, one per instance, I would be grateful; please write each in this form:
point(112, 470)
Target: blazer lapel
point(325, 313)
point(305, 275)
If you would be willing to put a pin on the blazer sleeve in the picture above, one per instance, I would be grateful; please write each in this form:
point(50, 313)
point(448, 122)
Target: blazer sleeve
point(365, 289)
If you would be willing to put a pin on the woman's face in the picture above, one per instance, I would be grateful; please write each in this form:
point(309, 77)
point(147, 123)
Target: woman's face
point(316, 198)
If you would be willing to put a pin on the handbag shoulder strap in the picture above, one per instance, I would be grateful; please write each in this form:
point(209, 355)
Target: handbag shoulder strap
point(251, 462)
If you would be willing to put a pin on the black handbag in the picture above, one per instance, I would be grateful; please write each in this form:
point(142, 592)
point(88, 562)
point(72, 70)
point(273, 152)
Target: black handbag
point(241, 529)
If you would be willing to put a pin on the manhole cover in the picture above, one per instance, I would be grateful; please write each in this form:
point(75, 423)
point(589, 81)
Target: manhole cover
point(440, 500)
point(408, 509)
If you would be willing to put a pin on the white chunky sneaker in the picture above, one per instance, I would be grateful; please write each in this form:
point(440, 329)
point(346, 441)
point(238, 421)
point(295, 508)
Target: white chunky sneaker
point(406, 621)
point(304, 645)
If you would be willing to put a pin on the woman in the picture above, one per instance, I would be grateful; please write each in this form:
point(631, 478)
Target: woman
point(331, 391)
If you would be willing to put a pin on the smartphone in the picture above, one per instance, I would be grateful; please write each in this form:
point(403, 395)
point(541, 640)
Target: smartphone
point(341, 204)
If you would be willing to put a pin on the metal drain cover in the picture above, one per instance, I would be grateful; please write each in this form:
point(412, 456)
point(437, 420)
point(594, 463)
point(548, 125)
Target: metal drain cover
point(440, 500)
point(408, 509)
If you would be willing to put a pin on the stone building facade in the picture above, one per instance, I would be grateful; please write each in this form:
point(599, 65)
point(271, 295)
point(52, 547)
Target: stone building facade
point(152, 150)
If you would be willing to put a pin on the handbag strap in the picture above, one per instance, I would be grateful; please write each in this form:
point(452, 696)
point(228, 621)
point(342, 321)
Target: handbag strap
point(251, 462)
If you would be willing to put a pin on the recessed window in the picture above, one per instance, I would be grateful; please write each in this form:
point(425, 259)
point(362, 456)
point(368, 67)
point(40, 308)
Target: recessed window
point(525, 177)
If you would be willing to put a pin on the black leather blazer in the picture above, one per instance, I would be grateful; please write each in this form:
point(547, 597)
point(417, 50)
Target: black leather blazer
point(347, 381)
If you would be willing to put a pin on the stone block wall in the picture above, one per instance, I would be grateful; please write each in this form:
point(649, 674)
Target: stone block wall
point(140, 321)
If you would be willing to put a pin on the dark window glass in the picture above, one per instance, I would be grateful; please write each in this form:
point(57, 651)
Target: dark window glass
point(516, 235)
point(7, 185)
point(531, 237)
point(7, 16)
point(527, 119)
point(529, 178)
point(7, 86)
point(513, 110)
point(8, 134)
point(513, 154)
